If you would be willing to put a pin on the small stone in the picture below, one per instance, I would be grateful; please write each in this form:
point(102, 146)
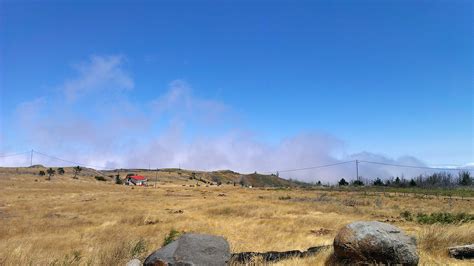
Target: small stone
point(134, 262)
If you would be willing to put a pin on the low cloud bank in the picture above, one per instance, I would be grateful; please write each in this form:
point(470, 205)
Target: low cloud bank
point(99, 124)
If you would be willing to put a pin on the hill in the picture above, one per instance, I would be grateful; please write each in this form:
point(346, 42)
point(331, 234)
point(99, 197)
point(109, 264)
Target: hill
point(166, 175)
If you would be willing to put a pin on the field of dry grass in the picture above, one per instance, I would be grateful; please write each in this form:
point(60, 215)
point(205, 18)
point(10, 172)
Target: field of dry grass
point(87, 222)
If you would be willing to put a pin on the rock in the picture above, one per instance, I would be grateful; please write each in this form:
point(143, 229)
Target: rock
point(462, 252)
point(274, 256)
point(192, 249)
point(374, 242)
point(134, 262)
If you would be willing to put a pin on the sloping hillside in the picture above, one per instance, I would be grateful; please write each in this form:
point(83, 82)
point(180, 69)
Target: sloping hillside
point(169, 175)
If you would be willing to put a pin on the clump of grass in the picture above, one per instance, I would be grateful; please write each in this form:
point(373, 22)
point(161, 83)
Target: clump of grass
point(138, 248)
point(406, 215)
point(139, 220)
point(287, 197)
point(123, 251)
point(171, 236)
point(437, 237)
point(70, 259)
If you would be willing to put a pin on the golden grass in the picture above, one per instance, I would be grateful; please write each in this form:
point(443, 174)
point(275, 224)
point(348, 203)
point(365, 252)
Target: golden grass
point(87, 222)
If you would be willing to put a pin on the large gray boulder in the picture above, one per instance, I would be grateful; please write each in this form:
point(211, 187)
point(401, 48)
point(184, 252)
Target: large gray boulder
point(192, 249)
point(374, 242)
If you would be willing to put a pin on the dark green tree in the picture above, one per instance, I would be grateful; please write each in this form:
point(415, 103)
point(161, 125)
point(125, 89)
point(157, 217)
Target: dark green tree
point(378, 182)
point(397, 181)
point(118, 181)
point(465, 178)
point(77, 170)
point(41, 173)
point(412, 183)
point(51, 173)
point(61, 171)
point(343, 182)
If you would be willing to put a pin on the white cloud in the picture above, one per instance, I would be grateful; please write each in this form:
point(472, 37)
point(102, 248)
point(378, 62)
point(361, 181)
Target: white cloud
point(159, 132)
point(99, 73)
point(179, 101)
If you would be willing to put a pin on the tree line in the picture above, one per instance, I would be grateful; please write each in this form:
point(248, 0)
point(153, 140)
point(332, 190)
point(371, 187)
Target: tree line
point(434, 180)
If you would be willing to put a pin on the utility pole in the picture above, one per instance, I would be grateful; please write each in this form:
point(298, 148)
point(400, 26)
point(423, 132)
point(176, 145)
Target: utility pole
point(357, 169)
point(31, 158)
point(156, 177)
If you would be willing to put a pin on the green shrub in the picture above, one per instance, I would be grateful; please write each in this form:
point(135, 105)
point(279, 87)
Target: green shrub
point(118, 181)
point(61, 171)
point(444, 218)
point(407, 215)
point(171, 236)
point(99, 178)
point(138, 248)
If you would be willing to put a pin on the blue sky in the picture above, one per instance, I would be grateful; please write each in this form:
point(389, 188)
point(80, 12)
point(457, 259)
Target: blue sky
point(393, 78)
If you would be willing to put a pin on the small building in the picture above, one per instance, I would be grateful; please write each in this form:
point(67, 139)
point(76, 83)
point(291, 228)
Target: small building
point(136, 180)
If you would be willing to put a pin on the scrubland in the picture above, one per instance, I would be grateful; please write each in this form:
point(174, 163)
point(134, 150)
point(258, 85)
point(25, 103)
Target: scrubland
point(82, 221)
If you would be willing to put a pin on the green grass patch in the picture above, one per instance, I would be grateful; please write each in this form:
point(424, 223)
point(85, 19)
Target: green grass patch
point(171, 236)
point(438, 217)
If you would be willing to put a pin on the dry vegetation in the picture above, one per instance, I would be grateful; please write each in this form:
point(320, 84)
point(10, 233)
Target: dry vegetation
point(83, 221)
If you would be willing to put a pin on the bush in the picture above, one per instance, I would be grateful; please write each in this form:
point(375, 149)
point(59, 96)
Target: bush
point(41, 173)
point(343, 182)
point(118, 181)
point(99, 178)
point(171, 236)
point(406, 215)
point(357, 183)
point(444, 218)
point(61, 171)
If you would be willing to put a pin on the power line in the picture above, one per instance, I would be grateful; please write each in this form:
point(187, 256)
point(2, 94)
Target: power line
point(417, 167)
point(279, 171)
point(313, 167)
point(13, 154)
point(68, 161)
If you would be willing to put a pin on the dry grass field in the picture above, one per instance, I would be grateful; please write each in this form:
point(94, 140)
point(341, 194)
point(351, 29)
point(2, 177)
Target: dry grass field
point(82, 221)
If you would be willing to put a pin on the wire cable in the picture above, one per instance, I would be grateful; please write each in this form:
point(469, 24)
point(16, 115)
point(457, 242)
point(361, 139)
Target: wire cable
point(67, 161)
point(417, 167)
point(14, 154)
point(313, 167)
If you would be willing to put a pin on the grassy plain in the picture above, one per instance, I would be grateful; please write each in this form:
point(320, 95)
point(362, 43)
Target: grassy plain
point(82, 221)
